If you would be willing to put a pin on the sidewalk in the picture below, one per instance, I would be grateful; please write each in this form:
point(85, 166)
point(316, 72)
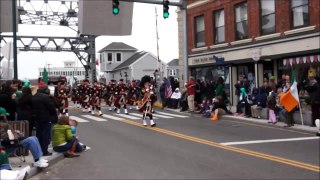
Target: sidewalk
point(299, 127)
point(17, 164)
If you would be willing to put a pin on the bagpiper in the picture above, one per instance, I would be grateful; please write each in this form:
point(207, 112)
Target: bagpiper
point(133, 95)
point(86, 96)
point(74, 96)
point(62, 95)
point(95, 98)
point(146, 103)
point(110, 95)
point(121, 97)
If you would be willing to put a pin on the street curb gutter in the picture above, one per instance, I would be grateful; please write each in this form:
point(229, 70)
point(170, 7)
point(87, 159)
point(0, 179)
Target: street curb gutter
point(297, 127)
point(53, 159)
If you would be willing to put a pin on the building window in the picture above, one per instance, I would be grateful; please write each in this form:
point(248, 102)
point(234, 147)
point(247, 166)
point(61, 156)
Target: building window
point(219, 27)
point(172, 72)
point(300, 13)
point(199, 29)
point(268, 18)
point(241, 21)
point(109, 57)
point(101, 58)
point(118, 57)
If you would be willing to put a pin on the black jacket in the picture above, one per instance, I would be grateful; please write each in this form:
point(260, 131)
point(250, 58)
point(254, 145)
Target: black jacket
point(25, 110)
point(43, 107)
point(8, 103)
point(314, 93)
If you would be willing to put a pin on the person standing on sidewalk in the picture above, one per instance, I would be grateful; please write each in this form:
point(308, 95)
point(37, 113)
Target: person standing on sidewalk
point(191, 91)
point(45, 114)
point(314, 92)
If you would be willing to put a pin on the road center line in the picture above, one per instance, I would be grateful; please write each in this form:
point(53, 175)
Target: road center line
point(302, 165)
point(269, 141)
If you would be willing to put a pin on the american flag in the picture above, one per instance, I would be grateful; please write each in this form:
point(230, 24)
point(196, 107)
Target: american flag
point(168, 90)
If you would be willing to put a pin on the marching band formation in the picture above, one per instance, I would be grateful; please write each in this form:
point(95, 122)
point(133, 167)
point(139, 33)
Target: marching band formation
point(116, 95)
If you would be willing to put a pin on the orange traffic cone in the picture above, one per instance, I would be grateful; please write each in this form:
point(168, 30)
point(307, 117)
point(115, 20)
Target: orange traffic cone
point(214, 118)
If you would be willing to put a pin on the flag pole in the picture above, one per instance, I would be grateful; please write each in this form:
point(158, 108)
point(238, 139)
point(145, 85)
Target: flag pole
point(301, 113)
point(294, 78)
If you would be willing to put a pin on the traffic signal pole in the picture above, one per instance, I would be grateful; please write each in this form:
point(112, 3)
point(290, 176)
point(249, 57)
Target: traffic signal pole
point(179, 4)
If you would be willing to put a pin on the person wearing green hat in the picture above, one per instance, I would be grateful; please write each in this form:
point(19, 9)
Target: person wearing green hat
point(243, 103)
point(31, 143)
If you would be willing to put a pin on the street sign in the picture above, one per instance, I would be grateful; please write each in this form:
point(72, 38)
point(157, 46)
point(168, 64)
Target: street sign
point(97, 18)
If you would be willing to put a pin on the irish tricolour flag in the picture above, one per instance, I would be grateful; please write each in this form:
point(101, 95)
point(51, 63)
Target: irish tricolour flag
point(290, 99)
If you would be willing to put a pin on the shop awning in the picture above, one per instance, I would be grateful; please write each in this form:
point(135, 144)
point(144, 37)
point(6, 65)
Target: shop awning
point(301, 60)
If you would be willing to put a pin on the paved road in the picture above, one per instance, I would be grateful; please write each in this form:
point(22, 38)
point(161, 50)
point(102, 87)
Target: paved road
point(187, 147)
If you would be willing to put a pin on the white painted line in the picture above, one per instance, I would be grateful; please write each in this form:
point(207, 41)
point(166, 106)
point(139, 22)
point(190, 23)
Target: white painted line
point(94, 118)
point(268, 141)
point(78, 119)
point(112, 117)
point(174, 115)
point(162, 116)
point(127, 116)
point(140, 115)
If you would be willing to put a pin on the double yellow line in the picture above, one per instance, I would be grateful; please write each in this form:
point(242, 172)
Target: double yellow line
point(230, 148)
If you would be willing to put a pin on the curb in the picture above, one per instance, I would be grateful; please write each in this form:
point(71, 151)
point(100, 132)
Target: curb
point(53, 159)
point(298, 127)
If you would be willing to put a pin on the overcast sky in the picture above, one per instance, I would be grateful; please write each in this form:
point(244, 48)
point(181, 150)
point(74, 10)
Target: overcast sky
point(143, 38)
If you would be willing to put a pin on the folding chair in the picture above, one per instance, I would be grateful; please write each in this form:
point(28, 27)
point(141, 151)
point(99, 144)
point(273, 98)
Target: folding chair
point(12, 149)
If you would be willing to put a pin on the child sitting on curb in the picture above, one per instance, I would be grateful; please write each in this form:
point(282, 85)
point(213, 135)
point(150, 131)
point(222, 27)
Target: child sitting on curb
point(73, 125)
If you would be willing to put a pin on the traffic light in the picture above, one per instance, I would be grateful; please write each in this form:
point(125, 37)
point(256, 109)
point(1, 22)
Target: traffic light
point(165, 9)
point(115, 7)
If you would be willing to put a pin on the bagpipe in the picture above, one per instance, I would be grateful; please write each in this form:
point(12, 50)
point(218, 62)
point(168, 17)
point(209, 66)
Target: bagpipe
point(147, 101)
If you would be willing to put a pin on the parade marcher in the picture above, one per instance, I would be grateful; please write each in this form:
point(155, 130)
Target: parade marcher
point(133, 95)
point(121, 100)
point(62, 97)
point(85, 96)
point(149, 97)
point(79, 95)
point(74, 96)
point(95, 101)
point(110, 97)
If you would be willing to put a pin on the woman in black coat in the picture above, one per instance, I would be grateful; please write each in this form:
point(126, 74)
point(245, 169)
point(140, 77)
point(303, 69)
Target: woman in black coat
point(25, 108)
point(8, 102)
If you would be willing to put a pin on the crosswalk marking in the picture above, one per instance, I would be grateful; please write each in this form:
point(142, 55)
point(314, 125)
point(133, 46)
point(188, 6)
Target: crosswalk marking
point(112, 117)
point(127, 116)
point(162, 116)
point(140, 115)
point(175, 115)
point(94, 118)
point(78, 119)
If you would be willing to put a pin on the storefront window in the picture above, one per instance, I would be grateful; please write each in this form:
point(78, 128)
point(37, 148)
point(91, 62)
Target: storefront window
point(213, 73)
point(246, 70)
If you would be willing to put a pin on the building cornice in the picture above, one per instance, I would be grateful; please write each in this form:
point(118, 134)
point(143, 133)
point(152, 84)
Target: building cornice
point(258, 44)
point(198, 3)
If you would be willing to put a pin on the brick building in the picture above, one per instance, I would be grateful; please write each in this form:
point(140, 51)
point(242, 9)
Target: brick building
point(225, 36)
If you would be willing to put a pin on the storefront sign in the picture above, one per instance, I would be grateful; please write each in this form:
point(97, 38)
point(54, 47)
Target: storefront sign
point(201, 60)
point(210, 59)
